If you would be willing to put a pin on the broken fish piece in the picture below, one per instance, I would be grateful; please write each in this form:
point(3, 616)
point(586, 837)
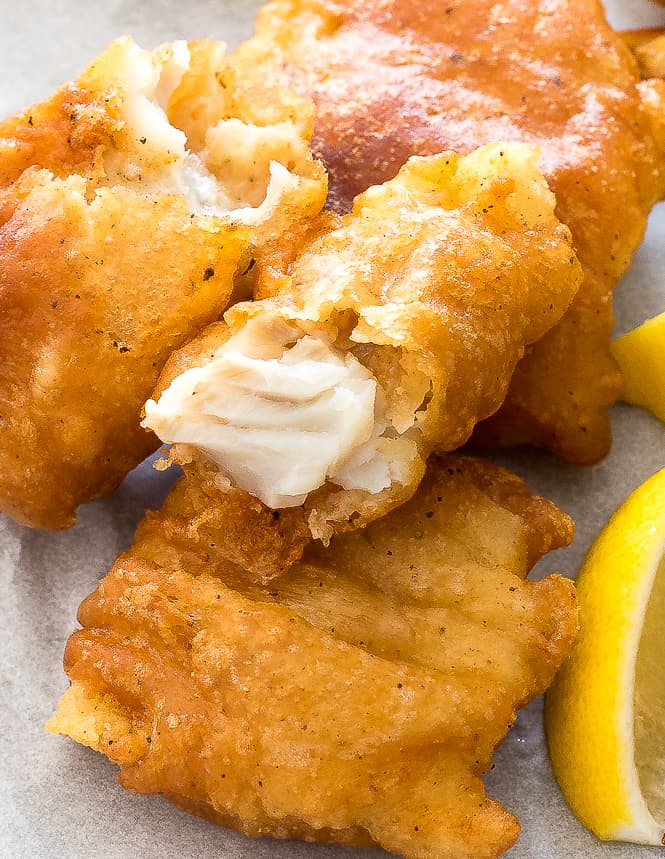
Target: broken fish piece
point(127, 212)
point(389, 333)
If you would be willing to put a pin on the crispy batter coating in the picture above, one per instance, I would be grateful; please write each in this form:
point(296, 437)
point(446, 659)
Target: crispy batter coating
point(398, 77)
point(359, 698)
point(119, 242)
point(435, 283)
point(204, 513)
point(648, 45)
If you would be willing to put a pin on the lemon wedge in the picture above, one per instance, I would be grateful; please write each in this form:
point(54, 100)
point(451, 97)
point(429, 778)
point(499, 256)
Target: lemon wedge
point(641, 355)
point(605, 713)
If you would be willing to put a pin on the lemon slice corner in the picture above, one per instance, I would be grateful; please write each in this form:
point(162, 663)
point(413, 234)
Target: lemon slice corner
point(605, 713)
point(641, 356)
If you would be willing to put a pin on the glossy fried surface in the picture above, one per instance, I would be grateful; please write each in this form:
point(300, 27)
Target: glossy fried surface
point(396, 77)
point(109, 262)
point(88, 315)
point(357, 699)
point(436, 282)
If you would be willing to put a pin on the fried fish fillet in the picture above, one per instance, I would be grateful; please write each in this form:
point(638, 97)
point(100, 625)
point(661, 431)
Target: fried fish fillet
point(399, 77)
point(128, 202)
point(357, 699)
point(391, 333)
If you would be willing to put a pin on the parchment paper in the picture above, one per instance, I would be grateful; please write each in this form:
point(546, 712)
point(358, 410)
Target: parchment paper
point(58, 799)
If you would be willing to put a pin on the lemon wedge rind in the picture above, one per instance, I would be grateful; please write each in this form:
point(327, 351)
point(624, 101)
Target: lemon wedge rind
point(589, 711)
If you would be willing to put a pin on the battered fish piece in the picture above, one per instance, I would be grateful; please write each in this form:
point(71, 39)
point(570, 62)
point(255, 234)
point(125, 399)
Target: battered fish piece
point(392, 333)
point(359, 698)
point(397, 77)
point(126, 209)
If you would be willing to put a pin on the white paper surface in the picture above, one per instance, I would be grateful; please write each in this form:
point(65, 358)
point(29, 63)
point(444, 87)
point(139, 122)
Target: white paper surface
point(58, 799)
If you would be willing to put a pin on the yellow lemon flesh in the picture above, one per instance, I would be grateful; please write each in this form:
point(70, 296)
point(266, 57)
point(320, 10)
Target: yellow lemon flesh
point(605, 713)
point(641, 356)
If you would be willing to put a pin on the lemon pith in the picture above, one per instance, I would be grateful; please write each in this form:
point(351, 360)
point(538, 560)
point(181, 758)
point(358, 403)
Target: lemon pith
point(589, 711)
point(641, 355)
